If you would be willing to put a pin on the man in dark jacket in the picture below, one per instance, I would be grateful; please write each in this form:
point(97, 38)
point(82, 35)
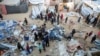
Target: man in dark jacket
point(46, 39)
point(93, 39)
point(58, 19)
point(73, 32)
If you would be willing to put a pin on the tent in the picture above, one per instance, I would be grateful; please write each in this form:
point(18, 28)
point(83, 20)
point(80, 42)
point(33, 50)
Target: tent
point(37, 7)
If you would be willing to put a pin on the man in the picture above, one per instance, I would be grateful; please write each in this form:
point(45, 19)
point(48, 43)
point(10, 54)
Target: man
point(95, 22)
point(93, 39)
point(46, 39)
point(87, 19)
point(58, 19)
point(41, 15)
point(19, 46)
point(56, 8)
point(73, 32)
point(66, 19)
point(25, 21)
point(46, 18)
point(79, 19)
point(61, 17)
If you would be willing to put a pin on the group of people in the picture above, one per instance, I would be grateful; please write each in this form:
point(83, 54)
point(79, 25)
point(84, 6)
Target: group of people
point(52, 16)
point(91, 35)
point(42, 35)
point(91, 20)
point(38, 35)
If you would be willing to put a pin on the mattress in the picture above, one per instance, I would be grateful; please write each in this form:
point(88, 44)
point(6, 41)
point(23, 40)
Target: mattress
point(10, 2)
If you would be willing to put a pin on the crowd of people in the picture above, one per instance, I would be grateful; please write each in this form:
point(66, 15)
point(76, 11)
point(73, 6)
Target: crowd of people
point(41, 35)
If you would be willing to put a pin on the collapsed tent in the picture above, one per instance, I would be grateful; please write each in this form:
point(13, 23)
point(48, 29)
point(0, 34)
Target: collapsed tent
point(56, 33)
point(6, 28)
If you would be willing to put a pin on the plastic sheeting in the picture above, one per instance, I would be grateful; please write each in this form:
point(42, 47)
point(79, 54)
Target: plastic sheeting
point(57, 32)
point(36, 9)
point(6, 28)
point(97, 44)
point(86, 10)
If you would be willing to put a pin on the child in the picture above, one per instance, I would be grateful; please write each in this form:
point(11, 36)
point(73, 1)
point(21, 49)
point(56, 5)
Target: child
point(40, 47)
point(86, 36)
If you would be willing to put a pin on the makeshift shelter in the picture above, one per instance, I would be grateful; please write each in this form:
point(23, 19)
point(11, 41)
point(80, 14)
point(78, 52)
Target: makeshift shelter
point(12, 6)
point(90, 7)
point(37, 7)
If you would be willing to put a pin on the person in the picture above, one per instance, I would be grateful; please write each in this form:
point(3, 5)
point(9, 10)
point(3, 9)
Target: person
point(40, 47)
point(93, 39)
point(47, 10)
point(44, 44)
point(90, 33)
point(73, 32)
point(25, 21)
point(36, 36)
point(87, 19)
point(95, 22)
point(26, 37)
point(58, 19)
point(46, 18)
point(66, 19)
point(41, 15)
point(61, 17)
point(40, 35)
point(48, 15)
point(28, 48)
point(43, 28)
point(52, 20)
point(1, 17)
point(92, 20)
point(86, 35)
point(79, 19)
point(46, 39)
point(19, 46)
point(56, 8)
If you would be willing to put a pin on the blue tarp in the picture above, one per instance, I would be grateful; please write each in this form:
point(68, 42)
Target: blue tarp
point(56, 33)
point(7, 28)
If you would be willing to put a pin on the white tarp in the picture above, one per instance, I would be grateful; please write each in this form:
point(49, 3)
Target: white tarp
point(62, 49)
point(36, 1)
point(38, 6)
point(36, 9)
point(85, 10)
point(10, 2)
